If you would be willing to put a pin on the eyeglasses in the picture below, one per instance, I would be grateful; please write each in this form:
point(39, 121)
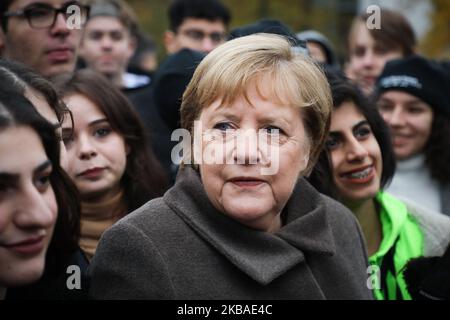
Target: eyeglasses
point(41, 15)
point(198, 35)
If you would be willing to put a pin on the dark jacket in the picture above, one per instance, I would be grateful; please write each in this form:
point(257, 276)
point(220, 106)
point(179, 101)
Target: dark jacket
point(57, 284)
point(181, 247)
point(141, 97)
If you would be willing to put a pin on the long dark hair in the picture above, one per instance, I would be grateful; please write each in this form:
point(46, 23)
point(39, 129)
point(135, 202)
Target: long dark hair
point(16, 110)
point(437, 148)
point(143, 178)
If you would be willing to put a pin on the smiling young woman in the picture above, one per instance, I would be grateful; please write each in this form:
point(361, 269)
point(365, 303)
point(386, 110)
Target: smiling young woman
point(413, 98)
point(360, 161)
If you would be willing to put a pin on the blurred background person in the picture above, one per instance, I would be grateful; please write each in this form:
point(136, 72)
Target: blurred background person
point(108, 42)
point(109, 159)
point(369, 49)
point(145, 58)
point(37, 34)
point(319, 47)
point(196, 24)
point(413, 97)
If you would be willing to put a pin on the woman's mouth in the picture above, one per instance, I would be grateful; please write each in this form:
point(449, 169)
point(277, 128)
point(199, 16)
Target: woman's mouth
point(92, 173)
point(363, 175)
point(245, 182)
point(29, 246)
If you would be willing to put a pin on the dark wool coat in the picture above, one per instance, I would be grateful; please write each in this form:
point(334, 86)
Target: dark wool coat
point(181, 247)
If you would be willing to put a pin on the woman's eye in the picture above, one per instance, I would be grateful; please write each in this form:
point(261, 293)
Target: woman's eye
point(4, 189)
point(331, 143)
point(362, 132)
point(415, 110)
point(102, 132)
point(42, 183)
point(67, 139)
point(384, 107)
point(223, 126)
point(272, 130)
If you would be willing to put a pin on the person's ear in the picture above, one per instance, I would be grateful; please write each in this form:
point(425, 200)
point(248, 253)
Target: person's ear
point(132, 45)
point(170, 41)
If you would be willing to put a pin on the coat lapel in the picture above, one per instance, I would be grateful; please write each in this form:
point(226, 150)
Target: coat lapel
point(262, 256)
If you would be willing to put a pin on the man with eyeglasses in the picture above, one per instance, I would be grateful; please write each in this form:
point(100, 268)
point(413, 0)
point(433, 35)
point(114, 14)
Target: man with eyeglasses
point(42, 34)
point(199, 25)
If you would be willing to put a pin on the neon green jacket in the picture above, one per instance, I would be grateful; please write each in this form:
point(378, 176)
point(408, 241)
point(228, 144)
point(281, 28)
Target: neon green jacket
point(402, 240)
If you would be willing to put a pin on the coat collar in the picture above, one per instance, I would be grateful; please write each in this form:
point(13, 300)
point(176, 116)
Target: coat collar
point(261, 255)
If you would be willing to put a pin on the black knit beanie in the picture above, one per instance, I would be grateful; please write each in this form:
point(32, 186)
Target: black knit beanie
point(419, 77)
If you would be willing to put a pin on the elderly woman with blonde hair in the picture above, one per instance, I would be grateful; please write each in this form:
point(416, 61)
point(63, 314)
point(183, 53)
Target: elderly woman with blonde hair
point(241, 222)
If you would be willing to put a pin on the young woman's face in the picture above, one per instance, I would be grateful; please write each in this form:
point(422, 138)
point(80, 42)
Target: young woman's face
point(410, 121)
point(367, 58)
point(355, 154)
point(97, 154)
point(28, 208)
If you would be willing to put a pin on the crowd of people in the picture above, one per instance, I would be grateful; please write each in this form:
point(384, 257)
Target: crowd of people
point(96, 204)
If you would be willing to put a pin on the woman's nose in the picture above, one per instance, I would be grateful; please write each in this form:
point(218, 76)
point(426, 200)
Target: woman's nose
point(86, 149)
point(36, 210)
point(246, 149)
point(395, 118)
point(356, 151)
point(368, 59)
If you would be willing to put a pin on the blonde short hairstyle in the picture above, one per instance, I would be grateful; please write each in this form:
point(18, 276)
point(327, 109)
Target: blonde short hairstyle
point(229, 71)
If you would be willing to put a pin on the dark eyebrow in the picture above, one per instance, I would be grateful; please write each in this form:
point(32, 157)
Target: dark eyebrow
point(336, 134)
point(42, 167)
point(360, 124)
point(9, 179)
point(12, 179)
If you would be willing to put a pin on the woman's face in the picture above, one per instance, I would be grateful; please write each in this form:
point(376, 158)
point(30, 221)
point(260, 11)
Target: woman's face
point(355, 154)
point(97, 154)
point(254, 177)
point(44, 109)
point(410, 121)
point(28, 208)
point(367, 58)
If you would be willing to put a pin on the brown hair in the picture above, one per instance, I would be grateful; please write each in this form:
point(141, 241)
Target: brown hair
point(395, 32)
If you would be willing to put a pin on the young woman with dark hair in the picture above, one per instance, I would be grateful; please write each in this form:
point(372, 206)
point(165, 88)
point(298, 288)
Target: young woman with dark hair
point(109, 158)
point(64, 250)
point(360, 161)
point(37, 242)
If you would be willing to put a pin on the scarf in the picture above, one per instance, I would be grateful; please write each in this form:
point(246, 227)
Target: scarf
point(96, 218)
